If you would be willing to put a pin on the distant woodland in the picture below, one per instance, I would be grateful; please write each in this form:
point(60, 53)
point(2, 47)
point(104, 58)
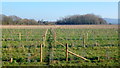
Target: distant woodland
point(88, 19)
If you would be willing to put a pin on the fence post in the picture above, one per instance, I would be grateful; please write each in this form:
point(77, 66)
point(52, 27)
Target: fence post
point(98, 58)
point(87, 39)
point(66, 52)
point(20, 36)
point(44, 40)
point(11, 60)
point(87, 36)
point(44, 37)
point(40, 52)
point(54, 35)
point(84, 40)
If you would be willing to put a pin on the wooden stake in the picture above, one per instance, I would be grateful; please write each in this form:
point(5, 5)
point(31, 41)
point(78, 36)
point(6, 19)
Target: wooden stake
point(55, 38)
point(87, 39)
point(84, 40)
point(87, 36)
point(20, 36)
point(44, 37)
point(98, 58)
point(11, 60)
point(44, 40)
point(40, 52)
point(66, 52)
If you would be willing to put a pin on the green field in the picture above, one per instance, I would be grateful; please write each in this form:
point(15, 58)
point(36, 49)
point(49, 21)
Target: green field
point(99, 46)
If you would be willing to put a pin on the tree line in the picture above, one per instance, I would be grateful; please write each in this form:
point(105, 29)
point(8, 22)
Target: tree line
point(81, 20)
point(15, 20)
point(68, 20)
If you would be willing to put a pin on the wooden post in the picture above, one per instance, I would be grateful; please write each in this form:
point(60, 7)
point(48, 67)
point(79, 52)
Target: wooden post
point(87, 39)
point(44, 40)
point(66, 52)
point(87, 36)
point(20, 36)
point(98, 58)
point(55, 38)
point(84, 40)
point(11, 60)
point(40, 52)
point(44, 37)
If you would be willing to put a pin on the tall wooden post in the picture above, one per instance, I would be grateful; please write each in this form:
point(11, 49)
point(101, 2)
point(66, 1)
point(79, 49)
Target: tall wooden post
point(87, 39)
point(84, 40)
point(20, 36)
point(55, 38)
point(40, 52)
point(44, 40)
point(44, 37)
point(66, 52)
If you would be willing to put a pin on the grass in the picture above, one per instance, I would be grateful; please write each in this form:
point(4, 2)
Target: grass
point(101, 47)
